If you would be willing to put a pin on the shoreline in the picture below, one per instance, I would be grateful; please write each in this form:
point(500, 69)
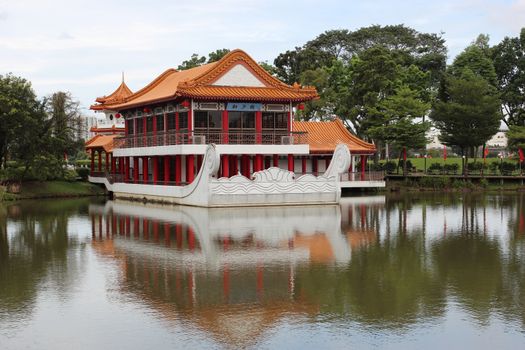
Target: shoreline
point(52, 190)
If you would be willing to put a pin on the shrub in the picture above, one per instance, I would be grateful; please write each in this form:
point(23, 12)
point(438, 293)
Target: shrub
point(451, 168)
point(494, 167)
point(390, 167)
point(70, 175)
point(507, 168)
point(475, 167)
point(434, 182)
point(435, 168)
point(484, 183)
point(83, 173)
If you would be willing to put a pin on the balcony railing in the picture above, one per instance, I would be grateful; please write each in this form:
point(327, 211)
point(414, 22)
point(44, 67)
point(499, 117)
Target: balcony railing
point(184, 137)
point(366, 176)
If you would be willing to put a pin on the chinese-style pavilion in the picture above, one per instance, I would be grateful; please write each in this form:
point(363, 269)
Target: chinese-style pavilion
point(233, 103)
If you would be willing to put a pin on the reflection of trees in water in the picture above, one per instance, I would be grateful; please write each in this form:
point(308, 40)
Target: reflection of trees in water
point(35, 252)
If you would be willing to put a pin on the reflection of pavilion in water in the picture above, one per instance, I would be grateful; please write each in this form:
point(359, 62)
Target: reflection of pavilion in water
point(231, 271)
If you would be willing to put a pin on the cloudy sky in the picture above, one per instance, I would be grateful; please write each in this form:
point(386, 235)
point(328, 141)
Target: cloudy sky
point(83, 46)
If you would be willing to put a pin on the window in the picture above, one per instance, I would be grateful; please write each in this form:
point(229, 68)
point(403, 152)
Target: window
point(170, 118)
point(241, 120)
point(183, 120)
point(130, 125)
point(149, 124)
point(140, 125)
point(160, 122)
point(273, 120)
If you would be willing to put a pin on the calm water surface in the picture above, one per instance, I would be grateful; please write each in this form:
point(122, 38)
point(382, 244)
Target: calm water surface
point(395, 272)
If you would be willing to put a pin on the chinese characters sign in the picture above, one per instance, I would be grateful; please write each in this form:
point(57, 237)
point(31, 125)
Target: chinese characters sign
point(243, 107)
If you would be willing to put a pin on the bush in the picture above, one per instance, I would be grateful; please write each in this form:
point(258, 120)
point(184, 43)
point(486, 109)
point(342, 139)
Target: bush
point(70, 175)
point(390, 167)
point(507, 168)
point(451, 168)
point(494, 167)
point(484, 183)
point(475, 167)
point(409, 165)
point(435, 168)
point(434, 182)
point(83, 173)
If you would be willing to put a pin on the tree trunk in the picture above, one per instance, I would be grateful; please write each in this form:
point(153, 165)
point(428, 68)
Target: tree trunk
point(405, 172)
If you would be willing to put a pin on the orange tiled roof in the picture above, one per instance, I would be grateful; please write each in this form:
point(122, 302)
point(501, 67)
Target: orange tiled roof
point(198, 83)
point(116, 96)
point(112, 129)
point(101, 141)
point(323, 137)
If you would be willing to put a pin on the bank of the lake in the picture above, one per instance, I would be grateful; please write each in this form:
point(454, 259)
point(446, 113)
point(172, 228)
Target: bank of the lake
point(453, 183)
point(52, 189)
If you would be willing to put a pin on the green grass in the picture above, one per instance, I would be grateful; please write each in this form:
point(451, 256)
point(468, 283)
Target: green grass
point(51, 189)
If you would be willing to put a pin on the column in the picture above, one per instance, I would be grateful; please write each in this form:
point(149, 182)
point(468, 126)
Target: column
point(276, 160)
point(225, 162)
point(113, 164)
point(225, 126)
point(245, 165)
point(145, 132)
point(363, 167)
point(145, 170)
point(178, 169)
point(135, 169)
point(291, 164)
point(166, 169)
point(258, 127)
point(107, 161)
point(259, 162)
point(190, 165)
point(155, 170)
point(92, 161)
point(99, 160)
point(235, 162)
point(126, 171)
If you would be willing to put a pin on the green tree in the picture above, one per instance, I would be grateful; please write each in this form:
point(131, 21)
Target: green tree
point(64, 116)
point(217, 55)
point(516, 137)
point(194, 61)
point(403, 124)
point(509, 63)
point(467, 114)
point(21, 117)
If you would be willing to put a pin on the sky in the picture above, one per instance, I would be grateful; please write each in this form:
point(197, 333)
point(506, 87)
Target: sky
point(84, 46)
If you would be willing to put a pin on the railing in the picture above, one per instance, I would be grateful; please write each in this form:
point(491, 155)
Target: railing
point(366, 176)
point(185, 137)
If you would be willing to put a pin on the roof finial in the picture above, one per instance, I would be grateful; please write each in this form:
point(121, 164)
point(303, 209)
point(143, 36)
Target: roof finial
point(122, 76)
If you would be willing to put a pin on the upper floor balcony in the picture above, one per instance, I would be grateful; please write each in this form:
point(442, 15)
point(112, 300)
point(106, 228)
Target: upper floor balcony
point(201, 137)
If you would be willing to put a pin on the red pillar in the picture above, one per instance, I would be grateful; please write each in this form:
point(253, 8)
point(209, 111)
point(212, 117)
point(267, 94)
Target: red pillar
point(155, 161)
point(92, 161)
point(154, 130)
point(145, 170)
point(126, 171)
point(259, 162)
point(235, 163)
point(291, 164)
point(255, 166)
point(190, 165)
point(136, 170)
point(178, 170)
point(113, 164)
point(363, 167)
point(244, 165)
point(225, 126)
point(166, 169)
point(99, 161)
point(258, 127)
point(144, 127)
point(225, 166)
point(276, 160)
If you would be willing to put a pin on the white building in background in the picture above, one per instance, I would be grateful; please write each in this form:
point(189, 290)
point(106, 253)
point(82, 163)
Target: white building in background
point(498, 140)
point(89, 122)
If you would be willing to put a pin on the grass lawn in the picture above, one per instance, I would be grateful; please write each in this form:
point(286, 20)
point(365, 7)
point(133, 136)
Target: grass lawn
point(58, 189)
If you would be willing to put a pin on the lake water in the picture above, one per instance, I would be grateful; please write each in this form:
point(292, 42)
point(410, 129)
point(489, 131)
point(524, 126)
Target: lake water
point(432, 271)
